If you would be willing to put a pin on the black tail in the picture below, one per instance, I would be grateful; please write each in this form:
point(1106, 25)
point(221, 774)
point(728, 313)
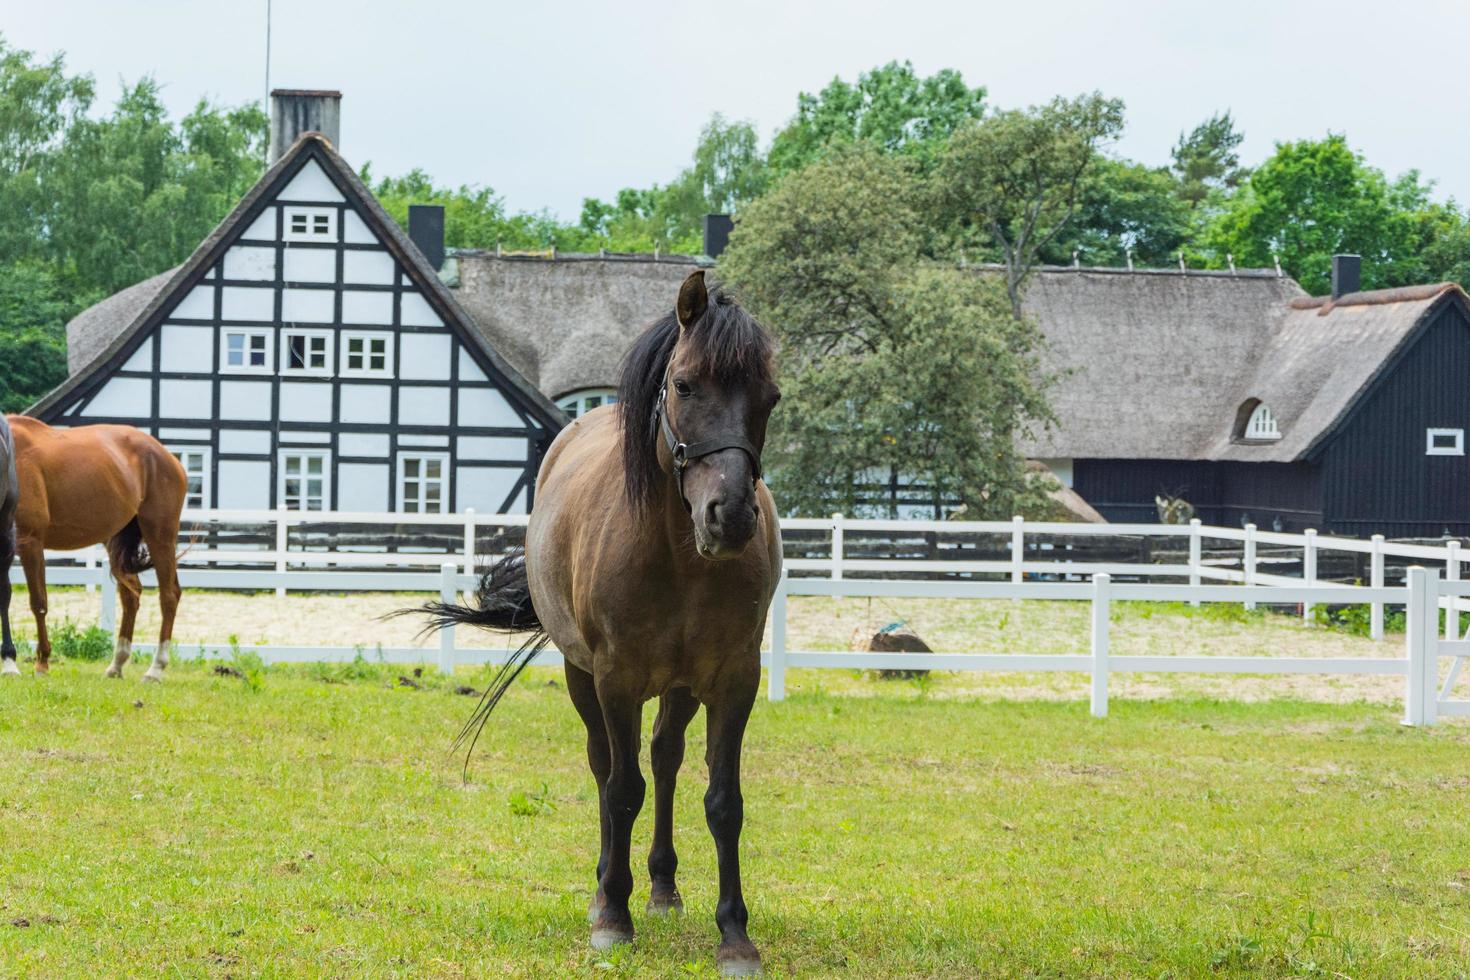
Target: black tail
point(126, 551)
point(503, 605)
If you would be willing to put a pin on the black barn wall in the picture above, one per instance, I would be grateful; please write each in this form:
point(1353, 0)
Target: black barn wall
point(1376, 476)
point(1230, 494)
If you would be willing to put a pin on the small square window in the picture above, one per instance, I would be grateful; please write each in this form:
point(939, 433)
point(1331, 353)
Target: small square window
point(1445, 442)
point(306, 352)
point(196, 469)
point(246, 352)
point(303, 480)
point(311, 224)
point(422, 488)
point(366, 354)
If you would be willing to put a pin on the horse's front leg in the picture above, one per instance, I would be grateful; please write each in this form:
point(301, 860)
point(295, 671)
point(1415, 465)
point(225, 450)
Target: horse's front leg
point(724, 809)
point(675, 710)
point(7, 643)
point(623, 798)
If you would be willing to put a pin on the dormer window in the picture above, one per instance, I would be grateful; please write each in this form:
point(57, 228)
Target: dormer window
point(1445, 442)
point(311, 224)
point(1255, 422)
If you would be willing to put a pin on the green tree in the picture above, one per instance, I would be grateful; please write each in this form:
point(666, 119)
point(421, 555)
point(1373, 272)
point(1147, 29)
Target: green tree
point(1314, 198)
point(1206, 161)
point(1122, 208)
point(890, 107)
point(1011, 183)
point(131, 194)
point(895, 370)
point(33, 316)
point(38, 103)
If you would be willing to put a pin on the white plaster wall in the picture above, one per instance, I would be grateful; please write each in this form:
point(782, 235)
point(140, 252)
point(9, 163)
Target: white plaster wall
point(245, 400)
point(306, 402)
point(185, 348)
point(178, 399)
point(424, 356)
point(366, 403)
point(486, 407)
point(483, 487)
point(363, 486)
point(423, 406)
point(245, 441)
point(244, 484)
point(123, 397)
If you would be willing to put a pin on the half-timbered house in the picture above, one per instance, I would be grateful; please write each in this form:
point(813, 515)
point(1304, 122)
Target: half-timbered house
point(307, 355)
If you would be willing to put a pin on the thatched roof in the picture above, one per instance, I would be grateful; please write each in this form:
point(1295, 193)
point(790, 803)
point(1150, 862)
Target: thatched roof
point(92, 330)
point(565, 322)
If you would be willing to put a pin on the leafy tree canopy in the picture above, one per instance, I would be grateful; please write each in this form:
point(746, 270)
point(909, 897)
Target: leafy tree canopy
point(1314, 198)
point(895, 371)
point(890, 107)
point(1205, 160)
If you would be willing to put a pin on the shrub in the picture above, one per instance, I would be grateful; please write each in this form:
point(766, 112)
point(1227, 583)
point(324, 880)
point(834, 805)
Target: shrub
point(74, 643)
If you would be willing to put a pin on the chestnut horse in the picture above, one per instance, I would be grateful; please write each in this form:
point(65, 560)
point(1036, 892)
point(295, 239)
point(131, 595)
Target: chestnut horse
point(651, 557)
point(95, 484)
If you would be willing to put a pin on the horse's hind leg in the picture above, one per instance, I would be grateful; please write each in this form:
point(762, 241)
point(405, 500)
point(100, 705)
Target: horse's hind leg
point(622, 714)
point(162, 538)
point(675, 710)
point(7, 558)
point(33, 561)
point(599, 760)
point(129, 595)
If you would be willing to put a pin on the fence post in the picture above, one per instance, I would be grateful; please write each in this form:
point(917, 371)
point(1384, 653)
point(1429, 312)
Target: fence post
point(1195, 556)
point(1018, 550)
point(1421, 647)
point(469, 540)
point(1101, 612)
point(1452, 609)
point(1375, 580)
point(1250, 560)
point(1309, 570)
point(92, 553)
point(776, 680)
point(448, 593)
point(107, 618)
point(281, 548)
point(838, 546)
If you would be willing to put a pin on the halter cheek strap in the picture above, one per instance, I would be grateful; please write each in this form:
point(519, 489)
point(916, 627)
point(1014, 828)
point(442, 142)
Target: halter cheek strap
point(684, 453)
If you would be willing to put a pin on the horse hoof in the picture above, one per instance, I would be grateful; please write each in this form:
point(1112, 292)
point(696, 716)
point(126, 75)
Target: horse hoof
point(666, 905)
point(608, 938)
point(9, 667)
point(151, 678)
point(109, 672)
point(43, 668)
point(739, 960)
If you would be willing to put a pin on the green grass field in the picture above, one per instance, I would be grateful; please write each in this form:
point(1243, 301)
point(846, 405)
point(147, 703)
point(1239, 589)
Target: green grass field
point(314, 824)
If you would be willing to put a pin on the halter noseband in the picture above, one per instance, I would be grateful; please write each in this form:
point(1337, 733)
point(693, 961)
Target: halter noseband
point(684, 453)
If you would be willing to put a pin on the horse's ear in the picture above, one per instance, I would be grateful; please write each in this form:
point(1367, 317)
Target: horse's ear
point(693, 300)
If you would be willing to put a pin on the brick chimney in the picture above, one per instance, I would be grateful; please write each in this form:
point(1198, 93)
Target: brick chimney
point(717, 228)
point(295, 111)
point(426, 230)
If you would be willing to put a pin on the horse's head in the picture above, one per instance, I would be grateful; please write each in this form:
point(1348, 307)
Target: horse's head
point(705, 414)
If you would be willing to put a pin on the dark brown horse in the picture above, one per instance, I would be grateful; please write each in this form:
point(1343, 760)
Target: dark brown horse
point(96, 484)
point(651, 557)
point(9, 497)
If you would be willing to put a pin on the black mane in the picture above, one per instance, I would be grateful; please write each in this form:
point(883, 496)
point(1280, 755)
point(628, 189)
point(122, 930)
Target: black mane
point(728, 343)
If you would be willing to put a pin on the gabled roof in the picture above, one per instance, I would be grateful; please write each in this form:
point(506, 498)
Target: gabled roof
point(103, 334)
point(1322, 358)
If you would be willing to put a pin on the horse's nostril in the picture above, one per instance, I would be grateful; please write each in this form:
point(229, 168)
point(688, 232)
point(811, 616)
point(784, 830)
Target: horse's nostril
point(712, 513)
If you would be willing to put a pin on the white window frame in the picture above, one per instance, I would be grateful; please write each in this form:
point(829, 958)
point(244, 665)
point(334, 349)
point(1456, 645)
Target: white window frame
point(1458, 449)
point(327, 234)
point(325, 371)
point(204, 471)
point(366, 336)
point(269, 367)
point(423, 481)
point(575, 404)
point(1262, 425)
point(325, 455)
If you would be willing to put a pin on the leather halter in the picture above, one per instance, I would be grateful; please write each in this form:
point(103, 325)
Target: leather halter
point(684, 453)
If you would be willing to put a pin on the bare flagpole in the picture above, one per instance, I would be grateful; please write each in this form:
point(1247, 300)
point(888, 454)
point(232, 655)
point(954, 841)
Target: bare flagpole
point(267, 104)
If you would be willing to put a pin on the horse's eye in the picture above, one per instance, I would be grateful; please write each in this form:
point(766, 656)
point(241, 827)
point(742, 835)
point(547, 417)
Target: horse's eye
point(682, 389)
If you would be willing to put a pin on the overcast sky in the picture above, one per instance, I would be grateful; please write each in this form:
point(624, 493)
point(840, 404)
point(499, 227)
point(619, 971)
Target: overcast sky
point(552, 102)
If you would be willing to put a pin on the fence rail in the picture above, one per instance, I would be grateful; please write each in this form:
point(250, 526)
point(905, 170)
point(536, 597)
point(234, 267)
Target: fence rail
point(1020, 575)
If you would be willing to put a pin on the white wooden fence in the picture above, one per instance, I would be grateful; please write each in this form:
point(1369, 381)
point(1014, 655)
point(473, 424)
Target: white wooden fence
point(1425, 592)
